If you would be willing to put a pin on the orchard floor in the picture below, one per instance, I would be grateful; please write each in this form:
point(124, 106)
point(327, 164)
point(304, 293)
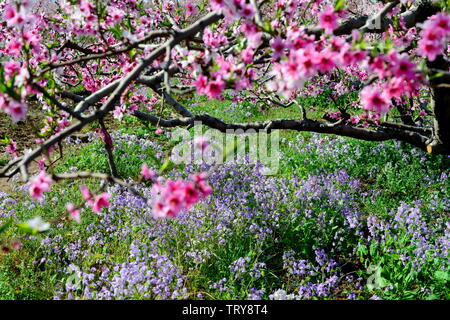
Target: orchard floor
point(22, 133)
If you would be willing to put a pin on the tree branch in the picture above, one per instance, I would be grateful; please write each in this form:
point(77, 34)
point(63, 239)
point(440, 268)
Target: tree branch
point(339, 128)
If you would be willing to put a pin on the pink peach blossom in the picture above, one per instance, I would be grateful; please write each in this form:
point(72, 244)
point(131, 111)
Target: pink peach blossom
point(373, 100)
point(101, 201)
point(328, 20)
point(146, 173)
point(40, 184)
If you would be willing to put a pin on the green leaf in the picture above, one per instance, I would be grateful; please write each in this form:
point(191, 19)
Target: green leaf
point(5, 140)
point(372, 249)
point(339, 4)
point(132, 53)
point(167, 165)
point(23, 226)
point(383, 282)
point(362, 251)
point(166, 23)
point(116, 31)
point(437, 75)
point(34, 226)
point(267, 27)
point(101, 9)
point(2, 80)
point(4, 227)
point(409, 277)
point(442, 275)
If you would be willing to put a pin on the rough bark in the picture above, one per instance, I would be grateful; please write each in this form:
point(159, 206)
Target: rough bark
point(339, 128)
point(440, 106)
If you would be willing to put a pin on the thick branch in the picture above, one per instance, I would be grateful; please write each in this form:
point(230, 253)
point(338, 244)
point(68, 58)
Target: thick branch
point(376, 134)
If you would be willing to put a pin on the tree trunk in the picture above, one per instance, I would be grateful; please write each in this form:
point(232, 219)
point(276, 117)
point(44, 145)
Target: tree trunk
point(440, 86)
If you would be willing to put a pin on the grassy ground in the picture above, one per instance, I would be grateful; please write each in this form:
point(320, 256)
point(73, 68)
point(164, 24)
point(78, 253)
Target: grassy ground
point(342, 219)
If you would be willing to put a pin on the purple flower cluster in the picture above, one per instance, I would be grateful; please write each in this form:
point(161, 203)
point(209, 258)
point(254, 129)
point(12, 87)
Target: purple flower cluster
point(7, 208)
point(310, 279)
point(417, 233)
